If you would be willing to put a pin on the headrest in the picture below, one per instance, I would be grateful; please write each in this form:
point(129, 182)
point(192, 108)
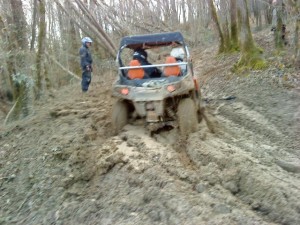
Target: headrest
point(178, 53)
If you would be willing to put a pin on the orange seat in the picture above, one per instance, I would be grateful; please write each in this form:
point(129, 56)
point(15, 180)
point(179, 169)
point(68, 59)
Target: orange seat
point(171, 70)
point(135, 73)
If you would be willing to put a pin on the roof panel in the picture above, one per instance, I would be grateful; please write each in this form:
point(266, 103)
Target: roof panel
point(151, 39)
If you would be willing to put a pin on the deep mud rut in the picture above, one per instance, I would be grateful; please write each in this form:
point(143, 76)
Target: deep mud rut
point(64, 166)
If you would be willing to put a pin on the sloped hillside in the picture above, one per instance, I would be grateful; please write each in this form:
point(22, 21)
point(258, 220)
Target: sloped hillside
point(62, 165)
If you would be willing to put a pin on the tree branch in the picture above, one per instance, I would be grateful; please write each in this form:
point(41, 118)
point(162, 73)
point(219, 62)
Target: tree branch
point(62, 67)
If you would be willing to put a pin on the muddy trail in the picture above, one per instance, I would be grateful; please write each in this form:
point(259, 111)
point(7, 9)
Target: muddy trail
point(63, 165)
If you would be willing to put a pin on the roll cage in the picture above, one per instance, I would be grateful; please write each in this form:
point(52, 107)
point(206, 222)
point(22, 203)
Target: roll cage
point(151, 41)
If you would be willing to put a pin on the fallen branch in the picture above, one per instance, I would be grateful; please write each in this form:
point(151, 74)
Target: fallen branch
point(62, 67)
point(2, 108)
point(22, 204)
point(10, 112)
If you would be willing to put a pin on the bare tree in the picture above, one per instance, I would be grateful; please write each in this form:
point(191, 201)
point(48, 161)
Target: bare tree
point(73, 37)
point(251, 55)
point(18, 45)
point(295, 4)
point(218, 26)
point(278, 24)
point(234, 25)
point(41, 50)
point(33, 26)
point(257, 11)
point(268, 11)
point(227, 29)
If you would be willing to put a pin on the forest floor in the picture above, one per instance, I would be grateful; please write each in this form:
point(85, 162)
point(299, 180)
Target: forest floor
point(63, 165)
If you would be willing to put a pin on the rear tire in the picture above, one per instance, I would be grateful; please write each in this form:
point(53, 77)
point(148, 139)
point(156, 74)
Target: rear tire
point(187, 116)
point(119, 116)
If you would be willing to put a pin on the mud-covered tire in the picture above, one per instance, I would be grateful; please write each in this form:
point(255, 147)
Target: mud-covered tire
point(187, 116)
point(119, 116)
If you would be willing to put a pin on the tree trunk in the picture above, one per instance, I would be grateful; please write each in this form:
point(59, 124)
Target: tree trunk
point(20, 23)
point(234, 25)
point(251, 55)
point(41, 49)
point(174, 15)
point(257, 7)
point(268, 12)
point(297, 35)
point(219, 29)
point(72, 42)
point(297, 44)
point(16, 62)
point(279, 31)
point(226, 35)
point(33, 31)
point(4, 78)
point(183, 8)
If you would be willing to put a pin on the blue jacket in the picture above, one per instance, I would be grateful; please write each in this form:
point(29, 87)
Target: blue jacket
point(85, 57)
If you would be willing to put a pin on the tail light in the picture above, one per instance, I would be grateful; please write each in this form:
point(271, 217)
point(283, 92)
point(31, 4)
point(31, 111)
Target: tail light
point(171, 88)
point(124, 91)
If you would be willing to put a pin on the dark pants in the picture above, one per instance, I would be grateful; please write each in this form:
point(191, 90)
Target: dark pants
point(86, 80)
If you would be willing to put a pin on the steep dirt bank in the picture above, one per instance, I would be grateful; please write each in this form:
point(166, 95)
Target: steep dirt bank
point(63, 166)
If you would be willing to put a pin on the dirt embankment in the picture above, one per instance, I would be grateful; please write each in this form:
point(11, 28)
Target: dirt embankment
point(63, 165)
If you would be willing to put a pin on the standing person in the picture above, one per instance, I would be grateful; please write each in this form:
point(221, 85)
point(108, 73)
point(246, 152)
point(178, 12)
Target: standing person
point(86, 63)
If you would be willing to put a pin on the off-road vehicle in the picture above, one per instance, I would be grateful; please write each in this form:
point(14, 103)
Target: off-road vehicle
point(171, 98)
